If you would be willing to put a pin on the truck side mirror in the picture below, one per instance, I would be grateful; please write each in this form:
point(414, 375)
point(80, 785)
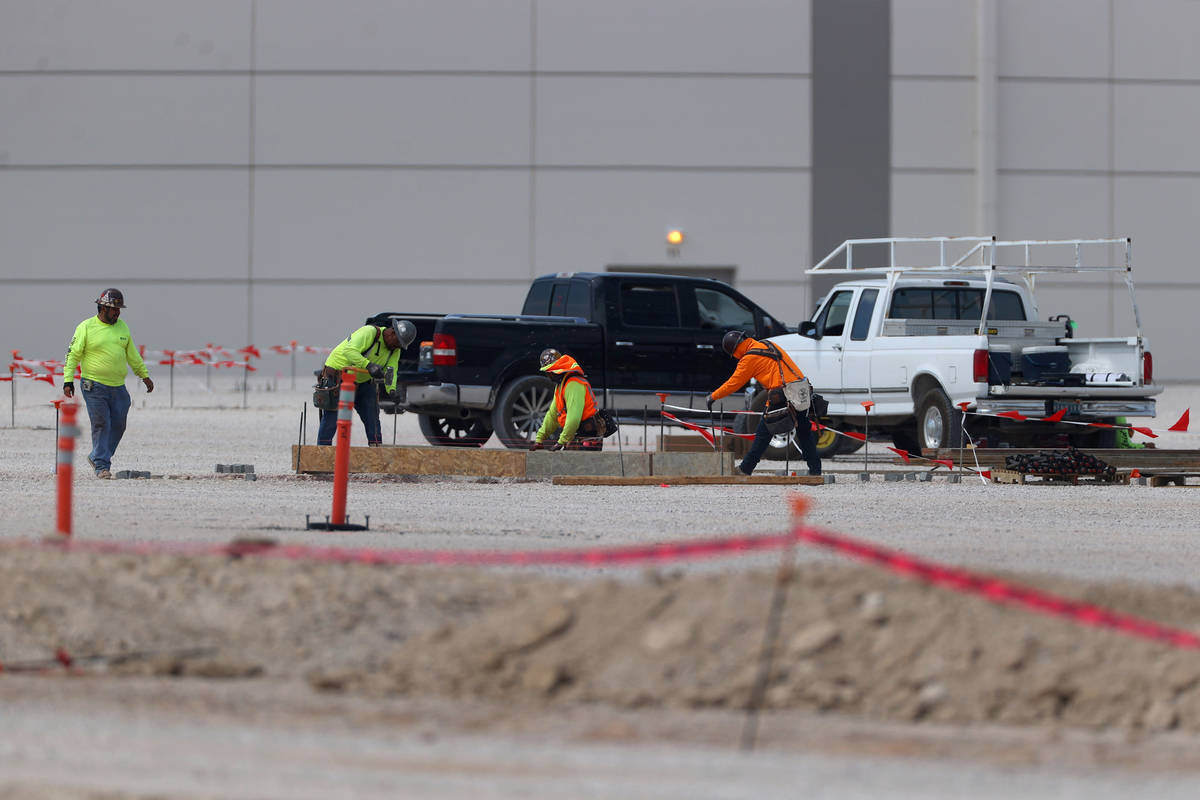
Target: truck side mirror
point(808, 329)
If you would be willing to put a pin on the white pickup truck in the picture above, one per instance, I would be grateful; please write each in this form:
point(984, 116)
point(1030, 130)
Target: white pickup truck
point(914, 340)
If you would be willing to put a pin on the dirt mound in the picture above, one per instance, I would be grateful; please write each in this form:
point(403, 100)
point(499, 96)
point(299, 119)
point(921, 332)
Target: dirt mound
point(852, 640)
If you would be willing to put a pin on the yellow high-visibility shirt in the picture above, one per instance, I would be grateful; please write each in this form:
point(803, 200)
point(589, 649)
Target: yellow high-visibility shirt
point(103, 353)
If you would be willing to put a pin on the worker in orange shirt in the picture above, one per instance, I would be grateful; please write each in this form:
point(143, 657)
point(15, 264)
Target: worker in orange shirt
point(771, 367)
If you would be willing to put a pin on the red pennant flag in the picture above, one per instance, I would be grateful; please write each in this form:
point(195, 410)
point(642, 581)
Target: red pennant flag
point(862, 437)
point(1144, 431)
point(945, 462)
point(1056, 416)
point(902, 453)
point(250, 350)
point(987, 473)
point(1017, 415)
point(1135, 473)
point(1182, 425)
point(46, 378)
point(1099, 425)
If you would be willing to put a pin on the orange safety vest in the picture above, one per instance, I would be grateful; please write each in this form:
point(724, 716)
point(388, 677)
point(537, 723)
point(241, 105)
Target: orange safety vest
point(589, 400)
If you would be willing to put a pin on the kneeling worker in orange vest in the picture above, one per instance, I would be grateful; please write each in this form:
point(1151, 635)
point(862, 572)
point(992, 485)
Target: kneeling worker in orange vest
point(573, 410)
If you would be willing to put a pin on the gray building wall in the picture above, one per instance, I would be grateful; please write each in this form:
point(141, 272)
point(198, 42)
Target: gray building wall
point(260, 171)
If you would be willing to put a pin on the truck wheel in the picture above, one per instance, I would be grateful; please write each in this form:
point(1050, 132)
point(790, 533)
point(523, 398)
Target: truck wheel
point(455, 431)
point(1100, 437)
point(937, 421)
point(829, 443)
point(781, 444)
point(520, 409)
point(904, 439)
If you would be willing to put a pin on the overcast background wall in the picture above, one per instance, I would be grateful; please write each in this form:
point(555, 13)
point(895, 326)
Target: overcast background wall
point(260, 171)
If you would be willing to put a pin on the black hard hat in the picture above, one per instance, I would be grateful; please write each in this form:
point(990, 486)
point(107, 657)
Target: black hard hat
point(112, 298)
point(731, 340)
point(548, 357)
point(405, 332)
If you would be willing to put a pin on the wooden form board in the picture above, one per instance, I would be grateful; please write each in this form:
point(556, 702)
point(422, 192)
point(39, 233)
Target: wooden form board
point(1034, 478)
point(687, 480)
point(415, 460)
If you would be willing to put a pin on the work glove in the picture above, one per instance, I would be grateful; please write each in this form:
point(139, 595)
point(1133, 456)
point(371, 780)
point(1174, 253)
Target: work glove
point(536, 446)
point(708, 401)
point(69, 388)
point(555, 446)
point(149, 384)
point(375, 371)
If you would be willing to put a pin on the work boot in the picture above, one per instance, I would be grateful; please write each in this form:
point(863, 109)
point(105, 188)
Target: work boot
point(742, 470)
point(91, 461)
point(104, 475)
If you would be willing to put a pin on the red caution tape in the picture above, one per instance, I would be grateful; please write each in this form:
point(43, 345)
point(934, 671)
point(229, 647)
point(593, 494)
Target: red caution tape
point(998, 591)
point(1056, 416)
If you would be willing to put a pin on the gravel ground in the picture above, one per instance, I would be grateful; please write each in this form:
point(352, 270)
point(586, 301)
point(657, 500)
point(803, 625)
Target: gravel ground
point(397, 651)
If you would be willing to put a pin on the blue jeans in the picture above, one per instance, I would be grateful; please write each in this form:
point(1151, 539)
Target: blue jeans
point(108, 409)
point(762, 440)
point(366, 403)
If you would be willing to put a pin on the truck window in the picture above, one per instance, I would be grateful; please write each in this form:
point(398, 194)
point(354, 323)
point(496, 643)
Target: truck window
point(579, 299)
point(537, 302)
point(718, 310)
point(862, 317)
point(954, 303)
point(558, 300)
point(832, 321)
point(1006, 305)
point(649, 305)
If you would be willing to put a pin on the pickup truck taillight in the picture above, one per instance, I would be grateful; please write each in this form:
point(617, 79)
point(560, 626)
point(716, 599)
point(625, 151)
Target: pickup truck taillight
point(979, 367)
point(1147, 368)
point(445, 352)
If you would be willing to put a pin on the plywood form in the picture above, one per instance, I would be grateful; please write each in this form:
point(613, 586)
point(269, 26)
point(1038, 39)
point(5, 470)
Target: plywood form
point(416, 460)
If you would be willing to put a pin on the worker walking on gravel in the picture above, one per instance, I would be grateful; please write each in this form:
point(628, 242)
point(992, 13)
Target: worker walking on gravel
point(573, 410)
point(772, 368)
point(370, 350)
point(103, 349)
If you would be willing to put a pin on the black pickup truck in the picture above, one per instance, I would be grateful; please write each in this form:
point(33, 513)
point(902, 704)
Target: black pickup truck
point(634, 334)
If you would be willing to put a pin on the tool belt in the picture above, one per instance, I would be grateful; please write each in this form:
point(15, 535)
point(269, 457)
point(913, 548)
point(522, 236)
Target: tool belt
point(327, 390)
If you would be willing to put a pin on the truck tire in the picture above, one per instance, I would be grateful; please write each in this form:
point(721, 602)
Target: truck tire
point(1100, 437)
point(520, 408)
point(781, 445)
point(829, 444)
point(938, 422)
point(455, 431)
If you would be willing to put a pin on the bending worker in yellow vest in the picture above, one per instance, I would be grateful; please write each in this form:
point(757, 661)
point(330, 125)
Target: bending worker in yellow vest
point(370, 350)
point(573, 410)
point(103, 349)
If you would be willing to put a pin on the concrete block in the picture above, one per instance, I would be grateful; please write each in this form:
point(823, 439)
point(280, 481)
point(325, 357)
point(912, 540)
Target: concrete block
point(910, 476)
point(955, 478)
point(250, 476)
point(925, 477)
point(865, 477)
point(710, 463)
point(829, 479)
point(123, 473)
point(541, 464)
point(248, 468)
point(222, 468)
point(893, 477)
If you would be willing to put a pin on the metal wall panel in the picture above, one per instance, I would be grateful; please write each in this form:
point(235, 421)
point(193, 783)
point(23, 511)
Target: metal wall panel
point(711, 36)
point(152, 223)
point(932, 204)
point(347, 225)
point(668, 121)
point(1054, 206)
point(1053, 126)
point(1156, 39)
point(1156, 127)
point(932, 123)
point(392, 119)
point(422, 35)
point(933, 37)
point(125, 119)
point(590, 219)
point(1054, 38)
point(129, 35)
